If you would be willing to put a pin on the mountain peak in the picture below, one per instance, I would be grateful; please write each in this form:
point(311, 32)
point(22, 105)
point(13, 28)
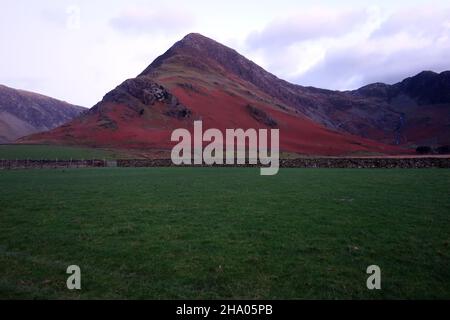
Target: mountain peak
point(196, 43)
point(198, 51)
point(194, 37)
point(198, 47)
point(426, 73)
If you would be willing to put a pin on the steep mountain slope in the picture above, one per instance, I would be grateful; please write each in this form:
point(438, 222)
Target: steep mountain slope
point(23, 113)
point(422, 104)
point(200, 79)
point(395, 118)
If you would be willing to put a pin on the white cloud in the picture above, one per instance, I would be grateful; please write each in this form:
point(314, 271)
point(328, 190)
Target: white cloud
point(307, 24)
point(136, 20)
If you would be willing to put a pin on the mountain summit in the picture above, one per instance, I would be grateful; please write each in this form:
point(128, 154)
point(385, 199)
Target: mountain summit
point(425, 88)
point(201, 79)
point(199, 51)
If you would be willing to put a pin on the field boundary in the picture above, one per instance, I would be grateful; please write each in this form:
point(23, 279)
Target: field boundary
point(356, 163)
point(51, 164)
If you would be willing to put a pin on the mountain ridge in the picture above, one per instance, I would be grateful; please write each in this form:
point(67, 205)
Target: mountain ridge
point(356, 112)
point(24, 112)
point(201, 79)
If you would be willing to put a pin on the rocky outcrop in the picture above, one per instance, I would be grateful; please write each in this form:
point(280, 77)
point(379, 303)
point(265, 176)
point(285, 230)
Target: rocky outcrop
point(142, 92)
point(138, 91)
point(261, 116)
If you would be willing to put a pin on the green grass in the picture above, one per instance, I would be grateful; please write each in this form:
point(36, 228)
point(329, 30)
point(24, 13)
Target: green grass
point(225, 233)
point(48, 152)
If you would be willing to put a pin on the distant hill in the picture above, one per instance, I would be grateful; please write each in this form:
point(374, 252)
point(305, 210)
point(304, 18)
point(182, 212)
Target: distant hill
point(416, 110)
point(23, 113)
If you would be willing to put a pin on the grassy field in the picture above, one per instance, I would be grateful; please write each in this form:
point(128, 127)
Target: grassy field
point(47, 152)
point(225, 233)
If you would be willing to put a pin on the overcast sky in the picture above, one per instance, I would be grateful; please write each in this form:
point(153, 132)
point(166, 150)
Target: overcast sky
point(79, 50)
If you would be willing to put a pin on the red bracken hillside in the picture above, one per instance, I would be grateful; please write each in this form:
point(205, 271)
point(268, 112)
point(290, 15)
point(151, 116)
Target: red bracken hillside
point(200, 79)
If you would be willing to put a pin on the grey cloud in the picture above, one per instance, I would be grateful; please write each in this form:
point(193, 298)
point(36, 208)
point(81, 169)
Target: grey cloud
point(427, 48)
point(407, 42)
point(351, 69)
